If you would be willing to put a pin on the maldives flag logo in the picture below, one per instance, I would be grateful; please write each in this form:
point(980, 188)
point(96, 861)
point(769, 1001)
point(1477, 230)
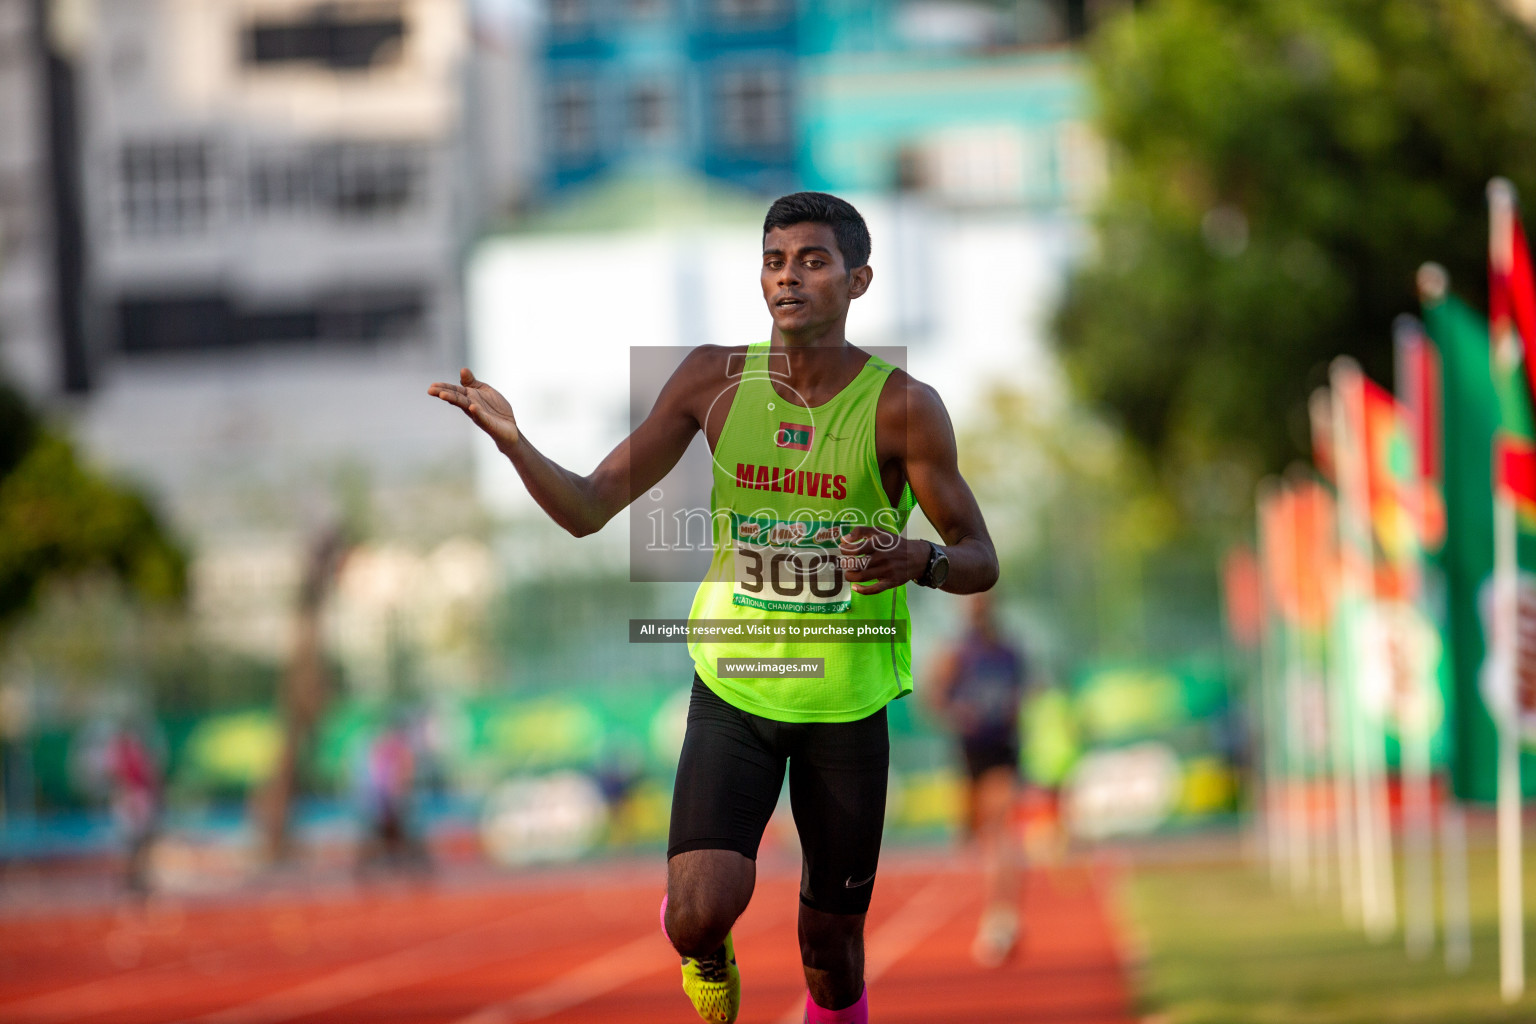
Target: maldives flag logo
point(793, 435)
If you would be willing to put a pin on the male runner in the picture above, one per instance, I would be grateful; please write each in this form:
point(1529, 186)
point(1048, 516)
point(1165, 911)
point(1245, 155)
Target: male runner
point(820, 452)
point(978, 688)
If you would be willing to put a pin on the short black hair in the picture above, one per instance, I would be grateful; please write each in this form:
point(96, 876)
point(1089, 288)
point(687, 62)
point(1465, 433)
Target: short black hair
point(847, 226)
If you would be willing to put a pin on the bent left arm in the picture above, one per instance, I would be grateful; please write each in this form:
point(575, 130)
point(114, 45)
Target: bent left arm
point(924, 442)
point(933, 471)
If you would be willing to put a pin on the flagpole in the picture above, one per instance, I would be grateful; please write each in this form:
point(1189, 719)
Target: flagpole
point(1378, 910)
point(1453, 884)
point(1432, 283)
point(1511, 898)
point(1346, 803)
point(1336, 681)
point(1506, 568)
point(1298, 826)
point(1419, 845)
point(1243, 600)
point(1414, 726)
point(1350, 599)
point(1294, 806)
point(1378, 784)
point(1270, 724)
point(1311, 599)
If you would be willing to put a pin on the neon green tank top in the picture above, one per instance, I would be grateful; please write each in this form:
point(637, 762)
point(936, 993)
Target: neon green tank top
point(788, 482)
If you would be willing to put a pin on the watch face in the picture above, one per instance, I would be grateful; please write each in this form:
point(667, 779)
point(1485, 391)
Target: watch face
point(940, 570)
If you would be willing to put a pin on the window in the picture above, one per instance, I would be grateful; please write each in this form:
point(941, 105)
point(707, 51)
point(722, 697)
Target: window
point(984, 165)
point(650, 112)
point(981, 165)
point(345, 179)
point(166, 186)
point(340, 37)
point(573, 118)
point(365, 181)
point(216, 321)
point(753, 107)
point(281, 185)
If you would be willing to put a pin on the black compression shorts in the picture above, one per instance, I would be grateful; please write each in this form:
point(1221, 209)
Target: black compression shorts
point(982, 755)
point(728, 782)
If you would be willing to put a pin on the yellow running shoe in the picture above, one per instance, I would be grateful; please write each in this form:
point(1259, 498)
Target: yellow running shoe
point(713, 984)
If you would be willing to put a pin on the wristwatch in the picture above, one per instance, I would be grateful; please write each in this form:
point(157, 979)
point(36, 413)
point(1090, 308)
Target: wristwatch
point(937, 570)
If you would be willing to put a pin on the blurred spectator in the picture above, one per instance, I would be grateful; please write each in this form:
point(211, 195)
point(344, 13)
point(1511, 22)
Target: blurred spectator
point(978, 688)
point(388, 777)
point(619, 774)
point(135, 779)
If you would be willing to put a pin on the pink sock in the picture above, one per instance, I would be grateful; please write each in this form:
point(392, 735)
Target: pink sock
point(664, 919)
point(858, 1013)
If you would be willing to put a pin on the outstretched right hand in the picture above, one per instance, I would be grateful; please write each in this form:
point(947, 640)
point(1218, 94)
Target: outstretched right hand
point(482, 403)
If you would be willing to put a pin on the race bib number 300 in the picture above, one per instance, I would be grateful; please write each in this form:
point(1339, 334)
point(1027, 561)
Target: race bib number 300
point(789, 566)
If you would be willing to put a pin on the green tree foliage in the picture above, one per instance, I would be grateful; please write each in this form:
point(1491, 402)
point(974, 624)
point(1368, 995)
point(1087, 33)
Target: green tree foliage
point(1278, 171)
point(1089, 544)
point(59, 518)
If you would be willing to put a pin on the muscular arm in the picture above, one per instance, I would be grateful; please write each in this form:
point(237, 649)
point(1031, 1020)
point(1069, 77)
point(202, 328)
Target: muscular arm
point(933, 471)
point(913, 430)
point(583, 504)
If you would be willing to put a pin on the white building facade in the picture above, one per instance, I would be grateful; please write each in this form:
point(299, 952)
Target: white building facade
point(271, 199)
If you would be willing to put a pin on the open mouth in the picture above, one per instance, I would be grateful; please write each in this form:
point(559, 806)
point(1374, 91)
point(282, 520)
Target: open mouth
point(789, 303)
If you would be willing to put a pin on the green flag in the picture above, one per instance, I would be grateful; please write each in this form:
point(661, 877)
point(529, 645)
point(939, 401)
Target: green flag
point(1477, 405)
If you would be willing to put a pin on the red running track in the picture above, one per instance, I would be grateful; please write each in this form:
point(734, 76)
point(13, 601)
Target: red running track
point(563, 947)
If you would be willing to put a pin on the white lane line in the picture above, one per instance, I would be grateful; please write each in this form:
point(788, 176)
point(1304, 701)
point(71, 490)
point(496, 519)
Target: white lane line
point(457, 951)
point(922, 915)
point(128, 987)
point(645, 956)
point(114, 991)
point(612, 970)
point(87, 997)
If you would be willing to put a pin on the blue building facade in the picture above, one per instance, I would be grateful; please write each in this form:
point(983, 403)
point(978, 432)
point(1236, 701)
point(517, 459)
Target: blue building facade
point(1003, 130)
point(673, 86)
point(970, 104)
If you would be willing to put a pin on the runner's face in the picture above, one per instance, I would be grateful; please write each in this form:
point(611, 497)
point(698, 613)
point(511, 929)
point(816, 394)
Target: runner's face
point(805, 284)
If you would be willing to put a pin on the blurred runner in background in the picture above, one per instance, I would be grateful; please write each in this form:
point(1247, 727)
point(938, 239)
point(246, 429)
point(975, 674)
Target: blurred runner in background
point(978, 688)
point(135, 776)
